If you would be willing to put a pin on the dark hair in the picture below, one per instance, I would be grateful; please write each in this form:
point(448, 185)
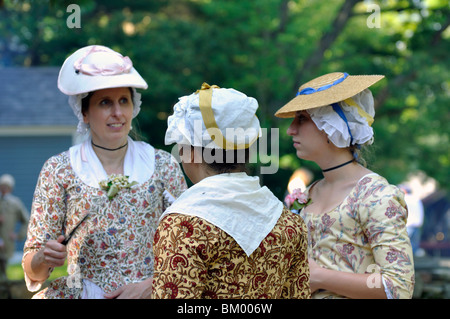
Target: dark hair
point(85, 103)
point(227, 161)
point(221, 161)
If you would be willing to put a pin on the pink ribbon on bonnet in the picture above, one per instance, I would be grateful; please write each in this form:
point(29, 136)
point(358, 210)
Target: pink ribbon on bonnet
point(109, 69)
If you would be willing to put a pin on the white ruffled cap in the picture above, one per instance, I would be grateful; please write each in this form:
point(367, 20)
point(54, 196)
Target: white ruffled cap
point(327, 120)
point(234, 113)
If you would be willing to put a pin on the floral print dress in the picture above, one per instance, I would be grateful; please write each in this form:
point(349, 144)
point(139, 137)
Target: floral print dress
point(366, 233)
point(113, 246)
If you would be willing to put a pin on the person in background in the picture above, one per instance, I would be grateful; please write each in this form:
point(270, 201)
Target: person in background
point(226, 236)
point(358, 244)
point(12, 213)
point(415, 218)
point(97, 204)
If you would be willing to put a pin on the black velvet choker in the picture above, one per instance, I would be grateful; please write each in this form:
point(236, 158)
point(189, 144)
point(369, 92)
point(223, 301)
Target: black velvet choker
point(109, 149)
point(335, 167)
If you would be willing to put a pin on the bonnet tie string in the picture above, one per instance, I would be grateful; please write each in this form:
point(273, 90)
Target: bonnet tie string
point(205, 104)
point(336, 107)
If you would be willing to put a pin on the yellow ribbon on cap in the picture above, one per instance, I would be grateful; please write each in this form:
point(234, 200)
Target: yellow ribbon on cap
point(361, 112)
point(205, 104)
point(206, 86)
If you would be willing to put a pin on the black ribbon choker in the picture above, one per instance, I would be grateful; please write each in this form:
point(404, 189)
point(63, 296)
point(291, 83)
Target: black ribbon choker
point(109, 149)
point(335, 167)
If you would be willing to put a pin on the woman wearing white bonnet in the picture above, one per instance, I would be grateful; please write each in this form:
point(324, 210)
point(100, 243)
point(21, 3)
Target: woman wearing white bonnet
point(358, 244)
point(97, 204)
point(226, 236)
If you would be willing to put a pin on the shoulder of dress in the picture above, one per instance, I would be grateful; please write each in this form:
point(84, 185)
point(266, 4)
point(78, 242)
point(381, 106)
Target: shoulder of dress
point(289, 218)
point(57, 166)
point(375, 180)
point(159, 153)
point(375, 185)
point(163, 157)
point(59, 160)
point(187, 222)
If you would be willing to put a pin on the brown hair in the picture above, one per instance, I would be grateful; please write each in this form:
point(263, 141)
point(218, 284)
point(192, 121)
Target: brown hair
point(221, 161)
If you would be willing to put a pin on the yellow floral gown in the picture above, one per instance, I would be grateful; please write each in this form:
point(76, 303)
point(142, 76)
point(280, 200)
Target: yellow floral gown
point(366, 233)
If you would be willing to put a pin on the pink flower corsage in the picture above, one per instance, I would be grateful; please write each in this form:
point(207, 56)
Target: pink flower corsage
point(297, 200)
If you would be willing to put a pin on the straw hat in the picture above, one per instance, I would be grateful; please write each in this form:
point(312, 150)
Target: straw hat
point(326, 90)
point(97, 67)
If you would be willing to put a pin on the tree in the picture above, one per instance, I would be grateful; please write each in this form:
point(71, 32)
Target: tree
point(266, 48)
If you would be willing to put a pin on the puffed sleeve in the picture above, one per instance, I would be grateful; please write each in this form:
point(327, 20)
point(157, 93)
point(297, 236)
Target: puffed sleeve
point(47, 212)
point(173, 179)
point(383, 216)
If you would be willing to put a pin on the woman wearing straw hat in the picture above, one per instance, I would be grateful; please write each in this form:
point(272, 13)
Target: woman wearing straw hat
point(358, 244)
point(98, 203)
point(226, 236)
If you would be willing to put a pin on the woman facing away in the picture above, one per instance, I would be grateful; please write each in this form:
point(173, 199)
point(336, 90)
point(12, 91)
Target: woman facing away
point(97, 204)
point(357, 239)
point(226, 236)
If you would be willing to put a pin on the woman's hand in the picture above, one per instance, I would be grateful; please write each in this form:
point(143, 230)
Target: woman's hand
point(141, 290)
point(54, 253)
point(37, 264)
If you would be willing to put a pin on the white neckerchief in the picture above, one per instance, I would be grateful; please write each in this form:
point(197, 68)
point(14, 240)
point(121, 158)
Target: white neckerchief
point(139, 162)
point(236, 203)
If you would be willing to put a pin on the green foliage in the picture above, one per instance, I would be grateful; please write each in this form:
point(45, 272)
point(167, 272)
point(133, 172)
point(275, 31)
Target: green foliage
point(263, 48)
point(15, 272)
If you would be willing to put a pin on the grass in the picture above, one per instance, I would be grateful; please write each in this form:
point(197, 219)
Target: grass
point(15, 287)
point(15, 272)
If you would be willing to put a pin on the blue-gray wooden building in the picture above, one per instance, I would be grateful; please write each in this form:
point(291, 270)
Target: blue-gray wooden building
point(36, 122)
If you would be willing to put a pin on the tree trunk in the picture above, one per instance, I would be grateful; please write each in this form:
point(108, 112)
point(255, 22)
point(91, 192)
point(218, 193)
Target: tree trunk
point(325, 42)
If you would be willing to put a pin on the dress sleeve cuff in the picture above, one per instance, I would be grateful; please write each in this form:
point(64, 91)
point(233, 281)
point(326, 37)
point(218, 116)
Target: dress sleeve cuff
point(386, 290)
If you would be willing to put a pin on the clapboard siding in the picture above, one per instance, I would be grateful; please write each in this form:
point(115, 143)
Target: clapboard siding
point(36, 122)
point(23, 157)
